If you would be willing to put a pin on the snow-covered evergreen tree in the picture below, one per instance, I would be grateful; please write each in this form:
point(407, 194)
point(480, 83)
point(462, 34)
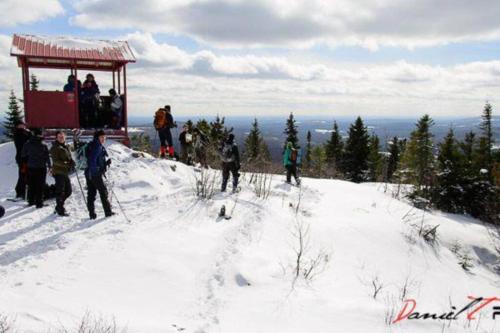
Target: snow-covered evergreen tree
point(448, 191)
point(355, 161)
point(394, 157)
point(12, 115)
point(34, 82)
point(333, 149)
point(374, 158)
point(418, 159)
point(291, 132)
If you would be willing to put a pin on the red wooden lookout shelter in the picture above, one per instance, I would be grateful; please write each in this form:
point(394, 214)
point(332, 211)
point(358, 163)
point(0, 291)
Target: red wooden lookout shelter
point(52, 110)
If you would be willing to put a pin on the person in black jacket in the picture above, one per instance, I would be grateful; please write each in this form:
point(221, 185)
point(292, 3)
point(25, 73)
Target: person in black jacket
point(186, 141)
point(97, 164)
point(21, 136)
point(168, 134)
point(63, 164)
point(230, 157)
point(36, 156)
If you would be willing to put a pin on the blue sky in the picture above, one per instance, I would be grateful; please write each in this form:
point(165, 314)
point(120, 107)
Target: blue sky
point(241, 58)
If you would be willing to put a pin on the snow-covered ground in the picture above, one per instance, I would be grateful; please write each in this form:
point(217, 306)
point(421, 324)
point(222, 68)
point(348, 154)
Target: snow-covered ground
point(178, 267)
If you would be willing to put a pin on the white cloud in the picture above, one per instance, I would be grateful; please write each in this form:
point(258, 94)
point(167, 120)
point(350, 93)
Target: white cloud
point(239, 23)
point(16, 12)
point(206, 83)
point(206, 63)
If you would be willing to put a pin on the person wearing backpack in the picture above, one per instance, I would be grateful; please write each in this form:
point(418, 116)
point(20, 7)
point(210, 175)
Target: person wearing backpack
point(230, 157)
point(163, 122)
point(290, 161)
point(36, 156)
point(63, 164)
point(97, 164)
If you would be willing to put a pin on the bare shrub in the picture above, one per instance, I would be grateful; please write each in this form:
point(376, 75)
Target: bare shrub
point(261, 184)
point(391, 306)
point(5, 324)
point(205, 183)
point(415, 218)
point(94, 324)
point(307, 266)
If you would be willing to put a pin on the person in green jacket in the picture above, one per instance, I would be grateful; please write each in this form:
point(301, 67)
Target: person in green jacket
point(290, 162)
point(63, 164)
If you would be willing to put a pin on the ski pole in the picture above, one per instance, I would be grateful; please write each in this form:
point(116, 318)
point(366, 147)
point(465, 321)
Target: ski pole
point(120, 206)
point(81, 188)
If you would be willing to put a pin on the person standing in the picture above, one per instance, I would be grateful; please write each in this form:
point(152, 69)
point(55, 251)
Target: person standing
point(90, 101)
point(160, 124)
point(63, 164)
point(163, 122)
point(230, 157)
point(168, 133)
point(116, 109)
point(21, 136)
point(290, 162)
point(186, 142)
point(200, 147)
point(36, 156)
point(97, 164)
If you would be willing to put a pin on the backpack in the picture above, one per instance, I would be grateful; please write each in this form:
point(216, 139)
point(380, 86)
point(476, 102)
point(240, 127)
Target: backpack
point(82, 154)
point(227, 153)
point(293, 155)
point(160, 120)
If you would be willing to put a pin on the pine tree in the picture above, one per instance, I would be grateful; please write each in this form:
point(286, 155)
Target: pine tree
point(482, 194)
point(333, 148)
point(318, 161)
point(394, 157)
point(12, 115)
point(291, 131)
point(218, 130)
point(255, 148)
point(374, 158)
point(355, 162)
point(486, 141)
point(418, 159)
point(203, 126)
point(307, 157)
point(34, 82)
point(448, 192)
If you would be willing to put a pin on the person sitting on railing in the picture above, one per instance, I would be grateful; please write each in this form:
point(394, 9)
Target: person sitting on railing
point(116, 109)
point(90, 101)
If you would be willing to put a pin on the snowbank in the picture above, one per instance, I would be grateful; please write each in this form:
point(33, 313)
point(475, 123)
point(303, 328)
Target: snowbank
point(178, 266)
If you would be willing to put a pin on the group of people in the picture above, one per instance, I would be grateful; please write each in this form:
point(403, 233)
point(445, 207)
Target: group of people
point(91, 114)
point(194, 144)
point(35, 160)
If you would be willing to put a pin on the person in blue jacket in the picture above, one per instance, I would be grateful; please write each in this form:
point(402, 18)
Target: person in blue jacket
point(290, 161)
point(97, 164)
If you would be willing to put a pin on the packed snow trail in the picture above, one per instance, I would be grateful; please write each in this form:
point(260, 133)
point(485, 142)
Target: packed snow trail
point(178, 267)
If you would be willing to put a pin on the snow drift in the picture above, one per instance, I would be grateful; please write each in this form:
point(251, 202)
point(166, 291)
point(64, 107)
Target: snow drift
point(178, 267)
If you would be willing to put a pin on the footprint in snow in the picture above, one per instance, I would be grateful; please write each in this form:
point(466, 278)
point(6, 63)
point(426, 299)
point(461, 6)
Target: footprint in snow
point(241, 281)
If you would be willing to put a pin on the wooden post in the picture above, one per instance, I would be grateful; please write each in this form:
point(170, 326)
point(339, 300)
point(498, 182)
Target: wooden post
point(125, 109)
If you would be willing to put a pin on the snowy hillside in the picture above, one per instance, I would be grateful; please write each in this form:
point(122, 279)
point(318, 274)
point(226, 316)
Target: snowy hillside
point(178, 267)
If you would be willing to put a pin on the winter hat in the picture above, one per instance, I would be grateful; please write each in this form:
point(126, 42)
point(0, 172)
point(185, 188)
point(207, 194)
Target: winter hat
point(36, 132)
point(99, 133)
point(289, 145)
